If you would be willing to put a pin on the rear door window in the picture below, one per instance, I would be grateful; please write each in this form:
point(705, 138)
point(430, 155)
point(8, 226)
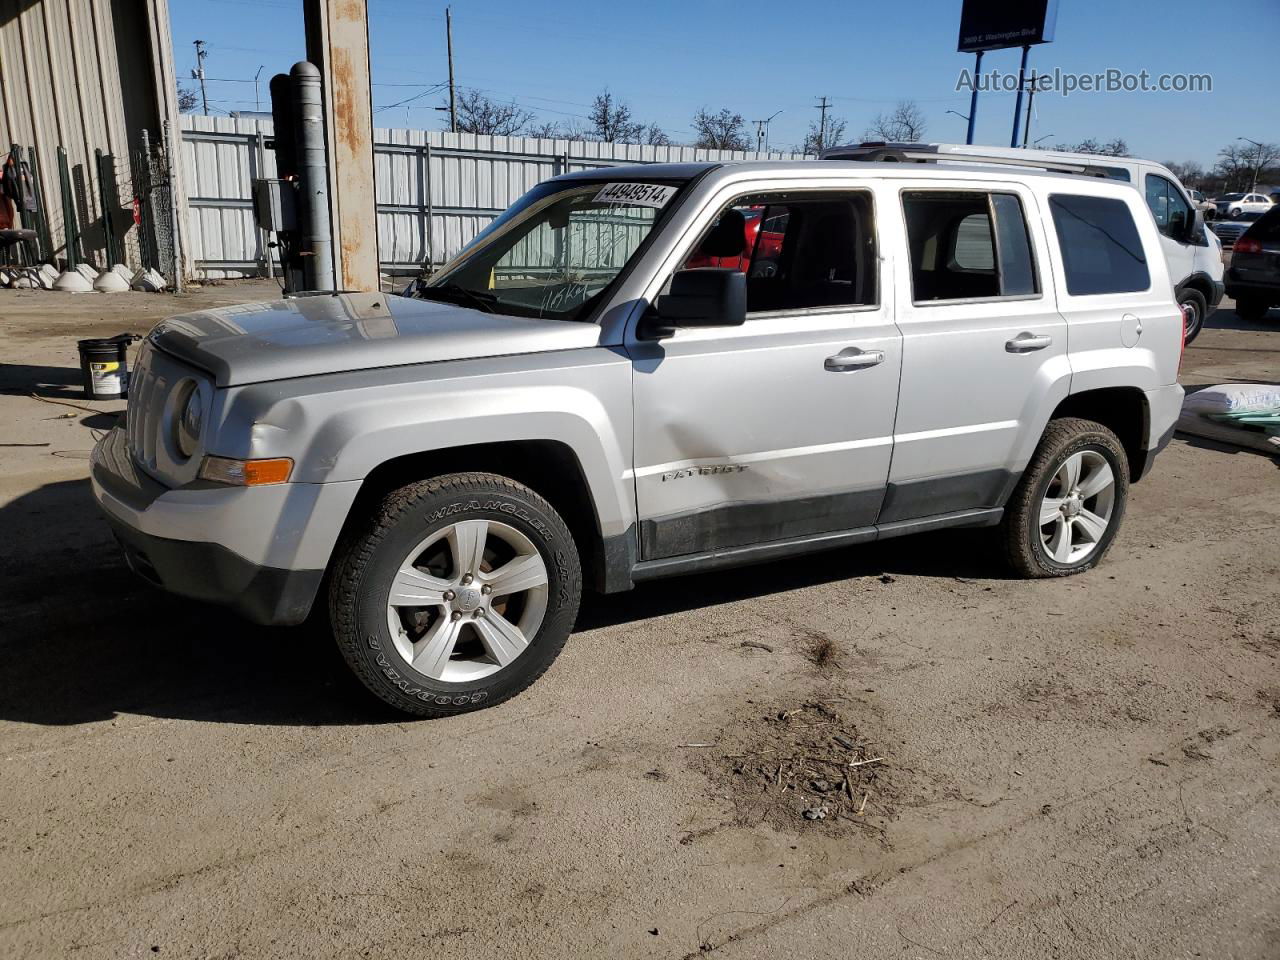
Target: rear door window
point(1101, 249)
point(968, 245)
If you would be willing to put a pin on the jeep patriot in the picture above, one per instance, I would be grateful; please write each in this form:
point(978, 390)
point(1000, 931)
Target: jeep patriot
point(652, 371)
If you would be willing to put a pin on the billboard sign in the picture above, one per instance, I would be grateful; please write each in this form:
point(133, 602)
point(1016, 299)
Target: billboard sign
point(997, 24)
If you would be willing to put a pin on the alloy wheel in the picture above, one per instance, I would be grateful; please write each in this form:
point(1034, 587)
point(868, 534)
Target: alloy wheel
point(1077, 508)
point(467, 600)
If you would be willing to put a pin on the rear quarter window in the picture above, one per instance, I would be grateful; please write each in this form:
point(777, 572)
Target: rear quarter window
point(1267, 227)
point(1101, 249)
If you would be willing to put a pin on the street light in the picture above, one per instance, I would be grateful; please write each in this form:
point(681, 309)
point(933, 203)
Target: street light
point(1036, 141)
point(1257, 167)
point(962, 116)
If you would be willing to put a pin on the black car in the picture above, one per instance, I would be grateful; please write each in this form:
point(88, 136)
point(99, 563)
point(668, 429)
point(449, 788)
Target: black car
point(1253, 279)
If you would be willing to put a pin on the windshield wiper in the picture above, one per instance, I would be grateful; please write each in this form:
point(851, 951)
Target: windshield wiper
point(452, 292)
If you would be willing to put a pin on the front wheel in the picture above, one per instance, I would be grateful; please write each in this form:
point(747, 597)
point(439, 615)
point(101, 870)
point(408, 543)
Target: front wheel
point(1193, 318)
point(1236, 213)
point(1068, 505)
point(457, 594)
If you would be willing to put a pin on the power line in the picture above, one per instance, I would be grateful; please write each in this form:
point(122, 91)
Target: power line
point(417, 96)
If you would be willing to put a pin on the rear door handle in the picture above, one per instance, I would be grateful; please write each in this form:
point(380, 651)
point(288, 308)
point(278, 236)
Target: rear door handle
point(1026, 342)
point(851, 358)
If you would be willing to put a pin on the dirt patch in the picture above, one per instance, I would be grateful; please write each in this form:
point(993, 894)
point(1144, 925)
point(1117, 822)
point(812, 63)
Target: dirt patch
point(807, 766)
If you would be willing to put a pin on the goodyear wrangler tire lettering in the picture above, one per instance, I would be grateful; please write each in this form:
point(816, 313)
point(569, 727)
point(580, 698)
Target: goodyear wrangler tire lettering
point(369, 562)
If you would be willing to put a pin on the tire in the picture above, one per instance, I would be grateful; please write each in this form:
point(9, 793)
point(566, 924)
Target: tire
point(1024, 536)
point(1199, 309)
point(1236, 213)
point(1251, 309)
point(469, 643)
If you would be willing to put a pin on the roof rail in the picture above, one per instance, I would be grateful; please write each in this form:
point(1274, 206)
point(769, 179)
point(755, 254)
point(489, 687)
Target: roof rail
point(918, 153)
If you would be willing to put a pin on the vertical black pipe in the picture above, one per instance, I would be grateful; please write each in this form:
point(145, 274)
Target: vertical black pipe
point(313, 178)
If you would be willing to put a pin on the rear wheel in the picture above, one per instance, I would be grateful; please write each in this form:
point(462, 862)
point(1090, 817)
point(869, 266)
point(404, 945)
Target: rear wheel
point(1194, 309)
point(1067, 508)
point(1252, 309)
point(458, 594)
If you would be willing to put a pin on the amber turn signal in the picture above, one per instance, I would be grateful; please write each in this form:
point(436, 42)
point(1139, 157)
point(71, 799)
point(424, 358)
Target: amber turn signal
point(246, 473)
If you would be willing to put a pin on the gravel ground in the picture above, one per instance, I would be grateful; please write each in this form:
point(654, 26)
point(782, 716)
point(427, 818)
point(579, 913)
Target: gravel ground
point(1076, 768)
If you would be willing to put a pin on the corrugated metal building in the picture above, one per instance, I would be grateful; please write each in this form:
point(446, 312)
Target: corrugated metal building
point(85, 75)
point(434, 190)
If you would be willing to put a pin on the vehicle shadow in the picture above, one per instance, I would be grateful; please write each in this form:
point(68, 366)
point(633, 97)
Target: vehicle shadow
point(945, 554)
point(1224, 319)
point(82, 639)
point(57, 382)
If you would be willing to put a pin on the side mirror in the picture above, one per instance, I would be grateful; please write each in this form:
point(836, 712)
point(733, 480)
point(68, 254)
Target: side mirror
point(704, 297)
point(1195, 226)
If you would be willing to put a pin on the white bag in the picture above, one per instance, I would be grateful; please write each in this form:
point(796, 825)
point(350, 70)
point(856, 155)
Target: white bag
point(1234, 398)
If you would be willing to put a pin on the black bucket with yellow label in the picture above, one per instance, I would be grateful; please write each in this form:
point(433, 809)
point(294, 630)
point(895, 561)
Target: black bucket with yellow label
point(103, 367)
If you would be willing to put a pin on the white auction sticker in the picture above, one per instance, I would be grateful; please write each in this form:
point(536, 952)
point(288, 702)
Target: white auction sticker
point(637, 194)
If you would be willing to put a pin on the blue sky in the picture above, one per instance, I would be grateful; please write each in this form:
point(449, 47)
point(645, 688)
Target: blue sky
point(669, 59)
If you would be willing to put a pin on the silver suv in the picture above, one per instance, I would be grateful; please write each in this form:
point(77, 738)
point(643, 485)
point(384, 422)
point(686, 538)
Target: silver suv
point(645, 372)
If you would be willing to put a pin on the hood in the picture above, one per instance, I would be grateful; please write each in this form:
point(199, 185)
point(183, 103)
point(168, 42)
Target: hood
point(333, 333)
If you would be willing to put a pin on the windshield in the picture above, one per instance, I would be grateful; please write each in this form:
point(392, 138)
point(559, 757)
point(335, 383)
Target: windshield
point(553, 253)
point(1233, 196)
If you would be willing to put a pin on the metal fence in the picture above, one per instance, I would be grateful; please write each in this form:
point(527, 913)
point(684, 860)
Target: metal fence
point(434, 190)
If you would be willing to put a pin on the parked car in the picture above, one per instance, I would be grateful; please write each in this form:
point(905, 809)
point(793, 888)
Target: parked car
point(565, 403)
point(1235, 205)
point(1229, 231)
point(758, 254)
point(1253, 279)
point(1202, 203)
point(1193, 254)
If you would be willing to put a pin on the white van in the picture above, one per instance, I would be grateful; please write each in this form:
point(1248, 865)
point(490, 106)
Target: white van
point(1193, 254)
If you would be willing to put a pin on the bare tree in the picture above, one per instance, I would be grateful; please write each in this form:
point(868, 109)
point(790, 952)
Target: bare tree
point(188, 99)
point(655, 136)
point(1243, 164)
point(612, 121)
point(478, 114)
point(904, 124)
point(1112, 148)
point(818, 139)
point(719, 131)
point(548, 130)
point(1189, 172)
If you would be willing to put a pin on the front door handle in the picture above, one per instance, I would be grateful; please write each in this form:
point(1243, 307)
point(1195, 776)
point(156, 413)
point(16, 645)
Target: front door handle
point(1026, 342)
point(851, 358)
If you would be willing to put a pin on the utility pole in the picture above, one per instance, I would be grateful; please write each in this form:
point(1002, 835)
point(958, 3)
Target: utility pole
point(257, 102)
point(762, 133)
point(198, 73)
point(1257, 167)
point(822, 123)
point(453, 99)
point(1031, 96)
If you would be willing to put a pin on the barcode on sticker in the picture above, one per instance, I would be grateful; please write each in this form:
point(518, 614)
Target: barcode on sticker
point(636, 194)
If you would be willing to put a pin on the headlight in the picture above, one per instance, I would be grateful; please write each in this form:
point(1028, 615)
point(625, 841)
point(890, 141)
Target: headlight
point(190, 421)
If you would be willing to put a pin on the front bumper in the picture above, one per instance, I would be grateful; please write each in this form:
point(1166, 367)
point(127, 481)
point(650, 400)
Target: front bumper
point(1215, 295)
point(211, 572)
point(260, 550)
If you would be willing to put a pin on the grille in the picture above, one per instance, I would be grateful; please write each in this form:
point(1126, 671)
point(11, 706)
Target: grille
point(143, 411)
